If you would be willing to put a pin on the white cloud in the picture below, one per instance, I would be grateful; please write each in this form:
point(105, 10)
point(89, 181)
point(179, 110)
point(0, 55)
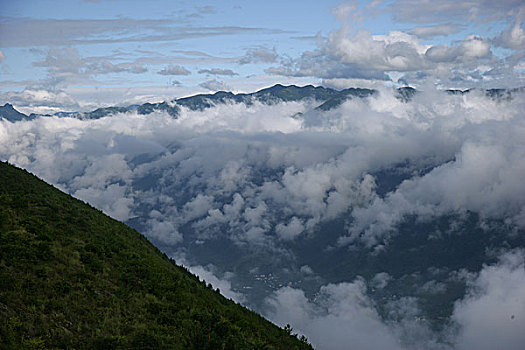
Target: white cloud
point(224, 285)
point(397, 51)
point(492, 315)
point(414, 11)
point(350, 53)
point(164, 232)
point(484, 178)
point(291, 230)
point(174, 70)
point(210, 275)
point(259, 55)
point(30, 32)
point(65, 67)
point(254, 171)
point(39, 98)
point(111, 199)
point(105, 66)
point(197, 207)
point(435, 30)
point(307, 270)
point(217, 71)
point(360, 56)
point(342, 316)
point(215, 85)
point(472, 48)
point(380, 280)
point(514, 36)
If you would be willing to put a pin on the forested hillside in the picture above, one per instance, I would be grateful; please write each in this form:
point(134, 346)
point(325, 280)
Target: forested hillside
point(71, 277)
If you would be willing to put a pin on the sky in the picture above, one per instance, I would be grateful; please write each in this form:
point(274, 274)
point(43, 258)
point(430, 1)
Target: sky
point(70, 55)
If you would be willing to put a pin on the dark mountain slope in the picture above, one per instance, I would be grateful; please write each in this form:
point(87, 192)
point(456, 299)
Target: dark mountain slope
point(71, 277)
point(8, 112)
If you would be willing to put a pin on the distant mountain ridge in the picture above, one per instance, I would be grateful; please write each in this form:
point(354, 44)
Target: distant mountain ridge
point(328, 98)
point(8, 112)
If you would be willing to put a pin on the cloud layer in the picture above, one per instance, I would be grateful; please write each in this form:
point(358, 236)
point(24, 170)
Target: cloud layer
point(353, 53)
point(264, 177)
point(265, 172)
point(358, 54)
point(491, 316)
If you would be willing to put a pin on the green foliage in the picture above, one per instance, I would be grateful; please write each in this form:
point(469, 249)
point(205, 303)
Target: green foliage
point(74, 278)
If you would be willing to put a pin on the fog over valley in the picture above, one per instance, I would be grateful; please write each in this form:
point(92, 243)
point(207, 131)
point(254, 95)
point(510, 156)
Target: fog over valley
point(345, 223)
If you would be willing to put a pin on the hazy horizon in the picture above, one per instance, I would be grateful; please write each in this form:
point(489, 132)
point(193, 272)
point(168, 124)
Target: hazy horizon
point(77, 55)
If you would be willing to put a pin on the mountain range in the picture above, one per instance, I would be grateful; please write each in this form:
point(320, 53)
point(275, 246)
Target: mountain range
point(327, 99)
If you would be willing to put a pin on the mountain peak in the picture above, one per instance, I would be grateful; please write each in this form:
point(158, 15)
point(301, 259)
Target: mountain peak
point(9, 112)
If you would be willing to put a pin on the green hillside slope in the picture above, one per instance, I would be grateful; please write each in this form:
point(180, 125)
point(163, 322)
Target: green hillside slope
point(71, 277)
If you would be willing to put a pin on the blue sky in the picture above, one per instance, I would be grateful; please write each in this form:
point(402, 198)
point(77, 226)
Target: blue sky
point(74, 54)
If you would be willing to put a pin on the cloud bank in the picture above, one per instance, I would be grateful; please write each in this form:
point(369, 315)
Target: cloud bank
point(263, 173)
point(491, 316)
point(264, 177)
point(355, 53)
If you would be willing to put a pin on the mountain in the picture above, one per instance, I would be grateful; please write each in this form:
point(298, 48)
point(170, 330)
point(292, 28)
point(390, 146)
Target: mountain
point(8, 112)
point(328, 98)
point(74, 278)
point(406, 93)
point(497, 94)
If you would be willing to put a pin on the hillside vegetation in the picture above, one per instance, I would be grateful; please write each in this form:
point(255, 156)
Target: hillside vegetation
point(71, 277)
